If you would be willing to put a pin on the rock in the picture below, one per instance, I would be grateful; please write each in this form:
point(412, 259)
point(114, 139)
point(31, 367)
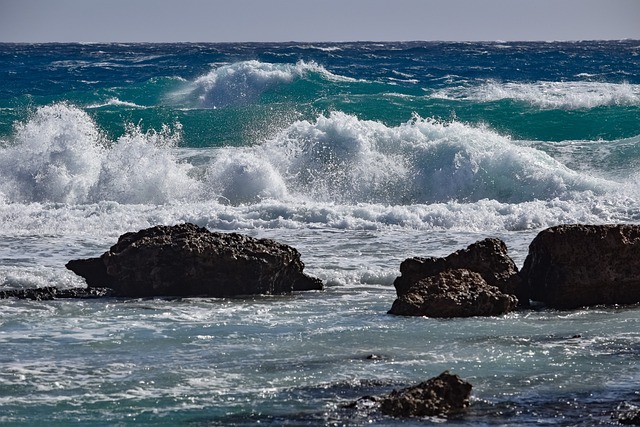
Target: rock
point(627, 414)
point(487, 257)
point(453, 293)
point(187, 260)
point(51, 292)
point(571, 266)
point(443, 395)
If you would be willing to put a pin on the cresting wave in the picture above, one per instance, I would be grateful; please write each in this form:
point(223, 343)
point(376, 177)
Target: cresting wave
point(241, 83)
point(338, 170)
point(60, 155)
point(550, 95)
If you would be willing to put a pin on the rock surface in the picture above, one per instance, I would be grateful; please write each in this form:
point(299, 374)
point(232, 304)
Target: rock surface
point(442, 395)
point(187, 260)
point(571, 266)
point(51, 292)
point(453, 293)
point(627, 414)
point(487, 257)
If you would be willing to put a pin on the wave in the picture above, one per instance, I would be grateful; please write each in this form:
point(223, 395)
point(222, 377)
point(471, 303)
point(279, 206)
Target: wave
point(242, 83)
point(115, 102)
point(60, 155)
point(343, 159)
point(337, 171)
point(550, 95)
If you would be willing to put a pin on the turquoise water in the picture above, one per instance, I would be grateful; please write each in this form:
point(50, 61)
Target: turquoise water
point(359, 155)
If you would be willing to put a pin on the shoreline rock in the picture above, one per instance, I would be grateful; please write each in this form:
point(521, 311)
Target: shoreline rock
point(51, 292)
point(481, 280)
point(487, 257)
point(186, 260)
point(577, 265)
point(453, 293)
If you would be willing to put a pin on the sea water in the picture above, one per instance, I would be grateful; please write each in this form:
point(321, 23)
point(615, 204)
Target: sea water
point(359, 155)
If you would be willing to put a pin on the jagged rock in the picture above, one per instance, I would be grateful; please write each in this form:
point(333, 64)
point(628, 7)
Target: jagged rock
point(187, 260)
point(571, 266)
point(51, 292)
point(453, 293)
point(487, 257)
point(442, 395)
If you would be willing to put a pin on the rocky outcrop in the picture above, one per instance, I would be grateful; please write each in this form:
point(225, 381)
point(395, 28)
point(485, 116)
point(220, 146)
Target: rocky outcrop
point(571, 266)
point(487, 257)
point(51, 292)
point(187, 260)
point(440, 396)
point(453, 293)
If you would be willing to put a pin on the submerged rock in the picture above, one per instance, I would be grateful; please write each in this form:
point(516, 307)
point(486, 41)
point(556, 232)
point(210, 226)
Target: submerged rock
point(487, 257)
point(440, 396)
point(187, 260)
point(571, 266)
point(453, 293)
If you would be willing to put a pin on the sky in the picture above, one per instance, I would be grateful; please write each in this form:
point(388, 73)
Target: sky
point(318, 20)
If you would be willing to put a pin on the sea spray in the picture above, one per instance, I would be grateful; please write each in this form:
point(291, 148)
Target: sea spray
point(60, 155)
point(342, 159)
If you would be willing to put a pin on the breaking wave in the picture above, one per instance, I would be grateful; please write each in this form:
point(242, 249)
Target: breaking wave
point(550, 95)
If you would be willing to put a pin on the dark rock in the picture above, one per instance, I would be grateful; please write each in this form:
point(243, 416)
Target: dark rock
point(487, 257)
point(627, 414)
point(453, 293)
point(187, 260)
point(571, 266)
point(51, 292)
point(440, 396)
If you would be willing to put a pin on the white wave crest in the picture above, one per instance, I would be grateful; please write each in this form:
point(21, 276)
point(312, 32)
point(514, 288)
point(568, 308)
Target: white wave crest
point(60, 155)
point(340, 158)
point(550, 95)
point(337, 171)
point(242, 83)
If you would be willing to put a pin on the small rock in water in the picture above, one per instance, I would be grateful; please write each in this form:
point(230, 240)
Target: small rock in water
point(440, 396)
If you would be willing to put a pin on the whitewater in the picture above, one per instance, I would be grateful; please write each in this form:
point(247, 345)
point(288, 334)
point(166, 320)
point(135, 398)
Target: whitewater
point(359, 155)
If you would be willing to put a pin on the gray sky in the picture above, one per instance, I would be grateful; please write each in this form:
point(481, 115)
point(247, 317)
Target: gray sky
point(319, 20)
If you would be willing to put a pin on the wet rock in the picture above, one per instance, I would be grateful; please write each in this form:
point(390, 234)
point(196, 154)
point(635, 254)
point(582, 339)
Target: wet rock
point(440, 396)
point(187, 260)
point(487, 257)
point(627, 414)
point(453, 293)
point(51, 292)
point(571, 266)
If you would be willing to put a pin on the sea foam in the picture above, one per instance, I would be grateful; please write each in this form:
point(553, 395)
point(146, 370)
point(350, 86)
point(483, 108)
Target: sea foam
point(343, 159)
point(337, 171)
point(60, 155)
point(241, 83)
point(550, 95)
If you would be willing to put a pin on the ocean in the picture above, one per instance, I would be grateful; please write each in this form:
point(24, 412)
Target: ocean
point(359, 155)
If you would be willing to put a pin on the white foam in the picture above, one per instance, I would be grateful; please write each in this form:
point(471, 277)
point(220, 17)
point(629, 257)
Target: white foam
point(550, 95)
point(343, 159)
point(60, 175)
point(111, 102)
point(241, 83)
point(60, 155)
